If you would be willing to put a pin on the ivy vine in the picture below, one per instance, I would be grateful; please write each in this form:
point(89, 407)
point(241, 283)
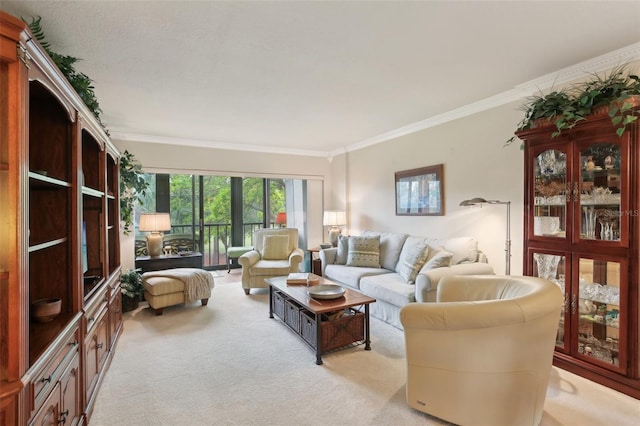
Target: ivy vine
point(133, 187)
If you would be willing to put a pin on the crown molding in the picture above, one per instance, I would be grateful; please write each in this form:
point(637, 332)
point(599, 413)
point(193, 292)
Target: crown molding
point(519, 92)
point(231, 146)
point(575, 72)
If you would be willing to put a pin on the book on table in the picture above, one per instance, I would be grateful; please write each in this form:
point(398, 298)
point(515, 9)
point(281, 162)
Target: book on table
point(301, 278)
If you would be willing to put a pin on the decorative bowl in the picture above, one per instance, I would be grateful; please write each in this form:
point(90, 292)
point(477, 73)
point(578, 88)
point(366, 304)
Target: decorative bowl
point(45, 310)
point(326, 291)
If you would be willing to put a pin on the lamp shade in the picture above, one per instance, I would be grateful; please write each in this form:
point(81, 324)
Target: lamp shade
point(281, 218)
point(473, 202)
point(154, 222)
point(334, 218)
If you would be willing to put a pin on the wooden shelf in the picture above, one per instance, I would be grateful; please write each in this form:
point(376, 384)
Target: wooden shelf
point(71, 166)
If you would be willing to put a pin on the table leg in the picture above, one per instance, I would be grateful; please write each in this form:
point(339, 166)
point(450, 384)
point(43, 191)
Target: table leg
point(367, 340)
point(318, 339)
point(270, 301)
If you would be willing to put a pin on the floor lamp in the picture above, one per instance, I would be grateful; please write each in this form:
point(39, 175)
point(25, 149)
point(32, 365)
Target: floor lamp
point(507, 247)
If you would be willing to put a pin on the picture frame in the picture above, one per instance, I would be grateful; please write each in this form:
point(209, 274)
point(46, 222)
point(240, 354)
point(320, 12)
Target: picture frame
point(420, 192)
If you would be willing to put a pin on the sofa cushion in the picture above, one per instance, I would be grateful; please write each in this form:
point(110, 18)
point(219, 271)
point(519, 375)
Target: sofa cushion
point(364, 251)
point(413, 256)
point(464, 249)
point(390, 288)
point(391, 244)
point(351, 275)
point(343, 249)
point(275, 247)
point(437, 258)
point(271, 268)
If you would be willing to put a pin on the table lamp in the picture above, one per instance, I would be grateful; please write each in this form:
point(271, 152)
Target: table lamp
point(281, 219)
point(334, 219)
point(154, 224)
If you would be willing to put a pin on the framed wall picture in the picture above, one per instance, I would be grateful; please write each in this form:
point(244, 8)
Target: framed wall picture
point(420, 192)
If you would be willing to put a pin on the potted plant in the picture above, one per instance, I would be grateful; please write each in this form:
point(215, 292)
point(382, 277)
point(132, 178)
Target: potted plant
point(131, 288)
point(616, 93)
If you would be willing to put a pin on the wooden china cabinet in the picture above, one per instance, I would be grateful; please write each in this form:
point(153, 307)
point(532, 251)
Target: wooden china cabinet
point(59, 239)
point(582, 231)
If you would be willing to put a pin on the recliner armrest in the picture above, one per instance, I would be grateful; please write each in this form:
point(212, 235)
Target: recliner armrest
point(296, 253)
point(249, 259)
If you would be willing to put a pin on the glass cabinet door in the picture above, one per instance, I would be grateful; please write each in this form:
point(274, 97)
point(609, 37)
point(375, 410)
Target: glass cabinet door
point(549, 194)
point(600, 185)
point(600, 312)
point(552, 267)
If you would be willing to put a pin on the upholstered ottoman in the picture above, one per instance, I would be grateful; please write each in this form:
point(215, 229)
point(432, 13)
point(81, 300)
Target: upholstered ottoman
point(175, 286)
point(235, 253)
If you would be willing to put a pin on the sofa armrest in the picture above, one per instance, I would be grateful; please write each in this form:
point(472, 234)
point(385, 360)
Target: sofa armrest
point(427, 281)
point(328, 257)
point(249, 259)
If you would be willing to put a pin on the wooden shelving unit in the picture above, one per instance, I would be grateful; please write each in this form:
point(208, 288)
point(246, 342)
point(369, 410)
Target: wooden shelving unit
point(59, 228)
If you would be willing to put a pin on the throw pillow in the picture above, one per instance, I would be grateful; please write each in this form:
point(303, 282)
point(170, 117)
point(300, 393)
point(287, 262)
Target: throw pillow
point(275, 247)
point(412, 261)
point(438, 258)
point(343, 249)
point(364, 251)
point(464, 249)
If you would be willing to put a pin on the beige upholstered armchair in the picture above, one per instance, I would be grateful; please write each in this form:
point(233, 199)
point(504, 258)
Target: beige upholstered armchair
point(482, 353)
point(275, 254)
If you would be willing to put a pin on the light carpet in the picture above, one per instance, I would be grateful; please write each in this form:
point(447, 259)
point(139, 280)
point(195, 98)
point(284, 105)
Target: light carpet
point(229, 364)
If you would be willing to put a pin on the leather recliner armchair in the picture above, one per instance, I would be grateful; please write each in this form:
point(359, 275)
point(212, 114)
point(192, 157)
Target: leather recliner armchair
point(271, 257)
point(482, 354)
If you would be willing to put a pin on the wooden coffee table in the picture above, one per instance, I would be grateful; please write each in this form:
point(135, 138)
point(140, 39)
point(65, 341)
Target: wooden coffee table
point(325, 325)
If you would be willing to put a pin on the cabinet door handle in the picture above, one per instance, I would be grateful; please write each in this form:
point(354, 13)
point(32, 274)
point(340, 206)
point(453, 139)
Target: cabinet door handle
point(576, 192)
point(568, 192)
point(99, 345)
point(63, 417)
point(46, 379)
point(90, 320)
point(574, 304)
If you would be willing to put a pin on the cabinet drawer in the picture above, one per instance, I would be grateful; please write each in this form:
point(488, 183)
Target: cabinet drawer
point(95, 309)
point(45, 379)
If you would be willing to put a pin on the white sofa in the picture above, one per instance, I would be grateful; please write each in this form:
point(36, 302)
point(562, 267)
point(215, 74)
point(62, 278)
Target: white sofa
point(408, 269)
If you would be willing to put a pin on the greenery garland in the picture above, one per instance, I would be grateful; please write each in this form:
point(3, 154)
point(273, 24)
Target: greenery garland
point(565, 108)
point(80, 82)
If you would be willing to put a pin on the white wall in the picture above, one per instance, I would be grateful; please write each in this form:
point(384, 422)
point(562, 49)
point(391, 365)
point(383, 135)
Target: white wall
point(476, 164)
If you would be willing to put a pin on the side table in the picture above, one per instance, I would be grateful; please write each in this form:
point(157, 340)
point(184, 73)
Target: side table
point(146, 263)
point(315, 264)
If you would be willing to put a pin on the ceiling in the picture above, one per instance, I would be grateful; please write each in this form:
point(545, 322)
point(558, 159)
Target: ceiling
point(319, 77)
